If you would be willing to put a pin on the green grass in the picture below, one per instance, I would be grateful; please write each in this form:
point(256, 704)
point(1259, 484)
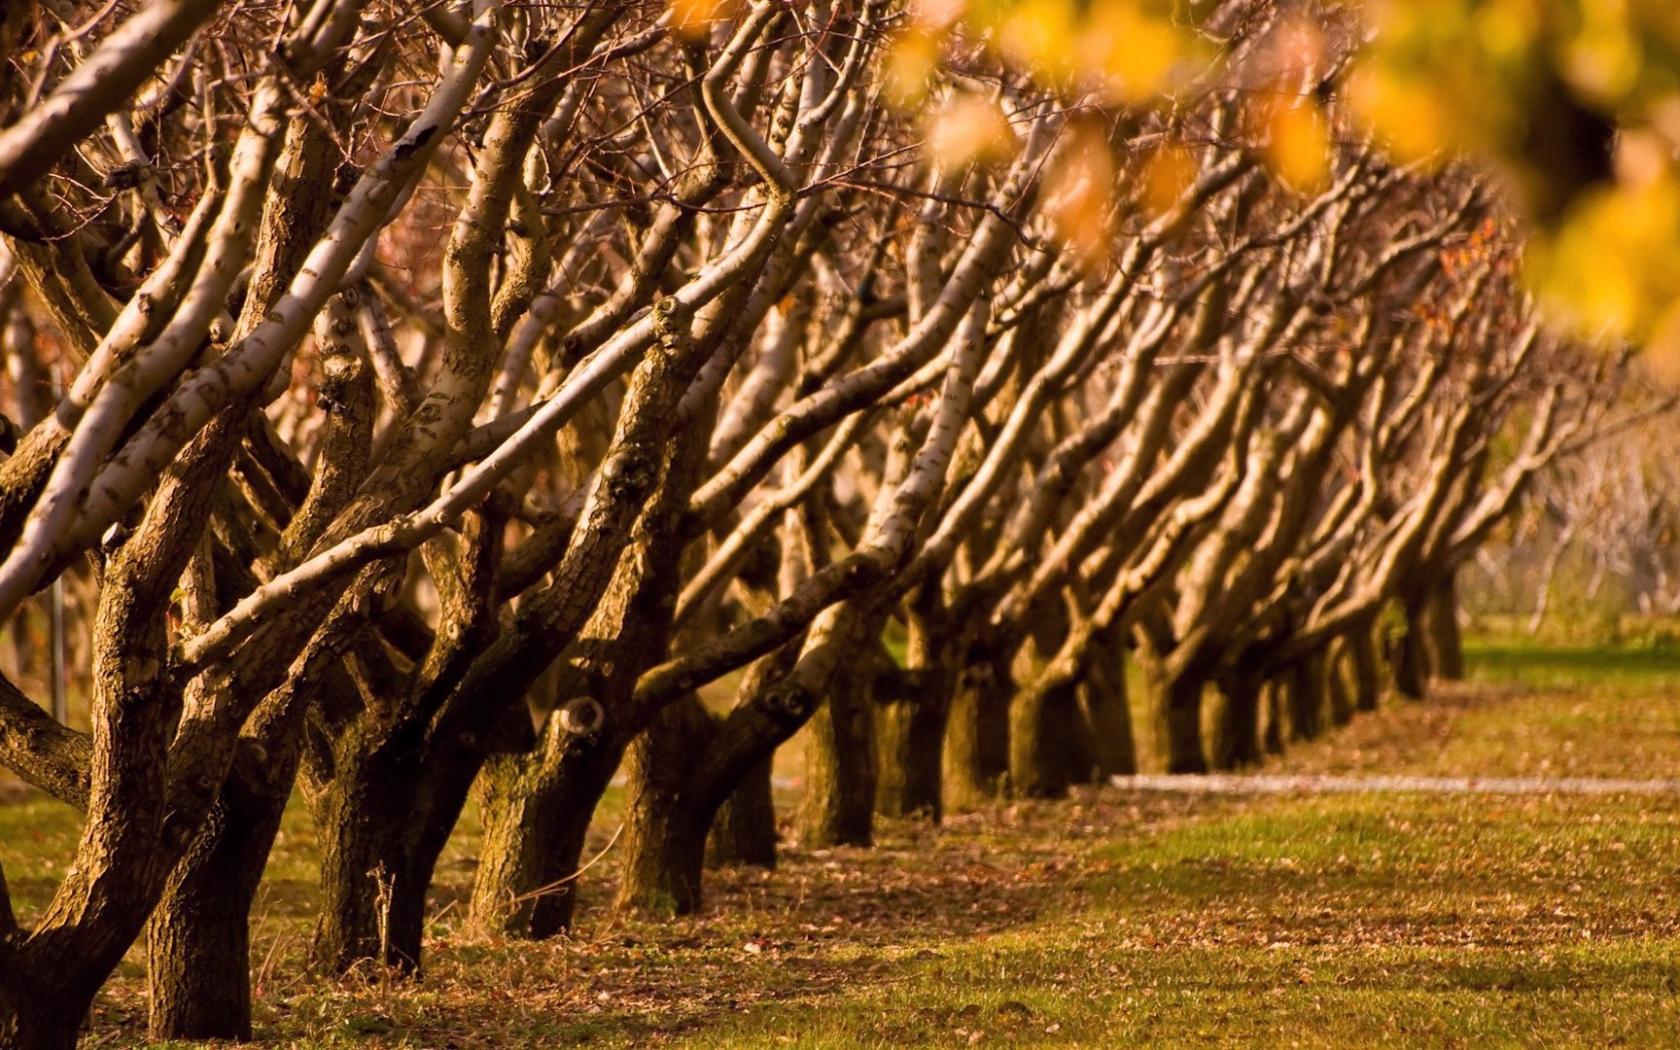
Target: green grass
point(1108, 920)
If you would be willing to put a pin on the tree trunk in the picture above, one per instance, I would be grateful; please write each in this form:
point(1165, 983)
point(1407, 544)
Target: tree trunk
point(1366, 670)
point(1176, 698)
point(662, 852)
point(838, 808)
point(744, 831)
point(1070, 737)
point(910, 735)
point(38, 1019)
point(198, 947)
point(1037, 769)
point(977, 733)
point(1271, 694)
point(372, 910)
point(537, 810)
point(1108, 711)
point(1338, 682)
point(1304, 685)
point(1446, 643)
point(1236, 739)
point(1411, 659)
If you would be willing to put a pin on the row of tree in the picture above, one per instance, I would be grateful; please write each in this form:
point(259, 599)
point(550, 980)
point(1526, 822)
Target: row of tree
point(451, 393)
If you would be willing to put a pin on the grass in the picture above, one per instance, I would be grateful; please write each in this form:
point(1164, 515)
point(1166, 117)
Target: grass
point(1108, 920)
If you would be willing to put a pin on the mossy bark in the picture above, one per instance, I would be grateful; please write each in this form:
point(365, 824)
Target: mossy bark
point(663, 851)
point(910, 736)
point(537, 810)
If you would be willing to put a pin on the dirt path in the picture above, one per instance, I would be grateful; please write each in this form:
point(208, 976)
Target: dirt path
point(1328, 784)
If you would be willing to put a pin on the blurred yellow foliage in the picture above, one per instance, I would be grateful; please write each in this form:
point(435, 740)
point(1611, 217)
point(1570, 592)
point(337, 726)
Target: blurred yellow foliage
point(694, 19)
point(907, 73)
point(1166, 174)
point(969, 129)
point(1297, 142)
point(1079, 194)
point(1614, 263)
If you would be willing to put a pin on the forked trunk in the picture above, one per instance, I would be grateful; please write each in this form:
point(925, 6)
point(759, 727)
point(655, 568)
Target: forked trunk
point(537, 810)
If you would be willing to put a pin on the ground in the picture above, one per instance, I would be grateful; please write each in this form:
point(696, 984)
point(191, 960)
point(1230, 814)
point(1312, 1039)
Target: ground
point(1113, 919)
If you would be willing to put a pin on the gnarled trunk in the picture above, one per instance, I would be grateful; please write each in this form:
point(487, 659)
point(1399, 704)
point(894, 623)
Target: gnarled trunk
point(537, 810)
point(663, 848)
point(198, 946)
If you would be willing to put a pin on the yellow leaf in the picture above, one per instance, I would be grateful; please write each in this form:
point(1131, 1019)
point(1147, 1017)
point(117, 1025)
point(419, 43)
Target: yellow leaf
point(970, 129)
point(1079, 195)
point(1166, 174)
point(1298, 143)
point(908, 70)
point(1132, 53)
point(694, 18)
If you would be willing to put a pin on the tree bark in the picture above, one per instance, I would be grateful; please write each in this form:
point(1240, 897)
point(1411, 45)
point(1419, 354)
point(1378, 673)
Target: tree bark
point(537, 811)
point(744, 830)
point(663, 851)
point(1364, 663)
point(838, 808)
point(910, 735)
point(1236, 739)
point(1338, 682)
point(198, 947)
point(1304, 686)
point(1108, 710)
point(977, 732)
point(1176, 699)
point(1446, 643)
point(1411, 659)
point(1271, 695)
